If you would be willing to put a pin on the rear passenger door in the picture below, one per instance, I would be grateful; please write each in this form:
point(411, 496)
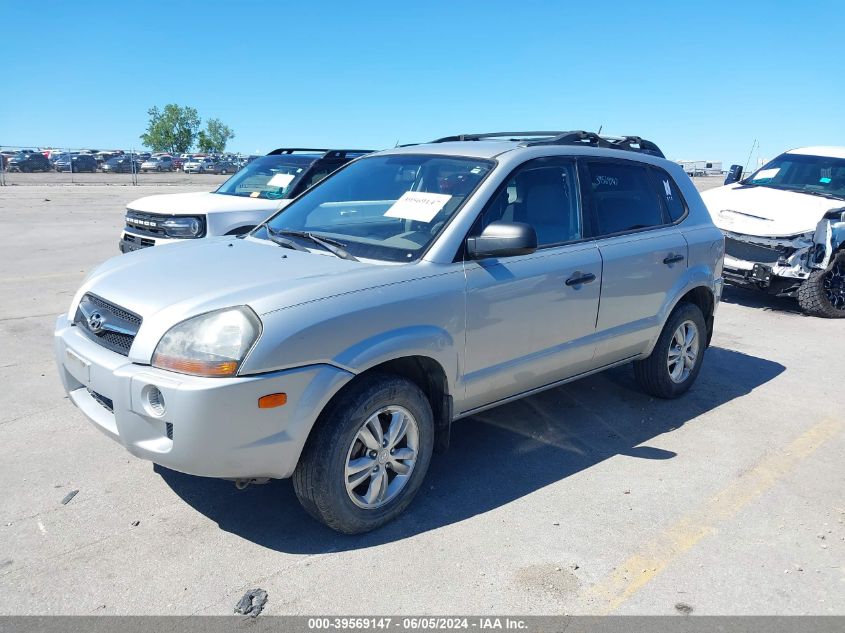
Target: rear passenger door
point(644, 255)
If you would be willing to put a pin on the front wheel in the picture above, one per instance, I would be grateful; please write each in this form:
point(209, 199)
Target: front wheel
point(367, 456)
point(823, 293)
point(676, 359)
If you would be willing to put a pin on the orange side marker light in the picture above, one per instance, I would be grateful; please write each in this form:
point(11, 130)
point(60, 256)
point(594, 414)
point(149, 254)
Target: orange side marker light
point(272, 400)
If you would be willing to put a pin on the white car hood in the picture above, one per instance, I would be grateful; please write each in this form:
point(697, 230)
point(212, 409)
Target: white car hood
point(766, 212)
point(203, 203)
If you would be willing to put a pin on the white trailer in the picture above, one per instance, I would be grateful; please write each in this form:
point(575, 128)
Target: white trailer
point(701, 167)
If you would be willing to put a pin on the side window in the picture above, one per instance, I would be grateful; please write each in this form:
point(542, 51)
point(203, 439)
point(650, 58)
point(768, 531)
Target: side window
point(669, 193)
point(541, 194)
point(317, 175)
point(623, 197)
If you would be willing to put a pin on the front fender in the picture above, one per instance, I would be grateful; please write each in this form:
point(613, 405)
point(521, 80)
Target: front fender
point(419, 340)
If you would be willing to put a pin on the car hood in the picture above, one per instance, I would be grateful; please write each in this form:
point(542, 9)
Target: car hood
point(763, 211)
point(168, 284)
point(202, 202)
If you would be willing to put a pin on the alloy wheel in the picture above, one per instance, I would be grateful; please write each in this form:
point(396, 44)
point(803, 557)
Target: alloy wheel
point(833, 285)
point(683, 351)
point(382, 457)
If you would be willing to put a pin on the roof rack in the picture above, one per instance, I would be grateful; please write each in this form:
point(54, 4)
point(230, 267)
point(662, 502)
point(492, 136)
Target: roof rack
point(326, 153)
point(511, 136)
point(575, 137)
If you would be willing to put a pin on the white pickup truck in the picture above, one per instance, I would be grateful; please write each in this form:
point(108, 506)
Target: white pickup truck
point(261, 188)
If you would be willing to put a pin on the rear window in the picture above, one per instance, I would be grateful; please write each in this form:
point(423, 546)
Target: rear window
point(623, 197)
point(669, 193)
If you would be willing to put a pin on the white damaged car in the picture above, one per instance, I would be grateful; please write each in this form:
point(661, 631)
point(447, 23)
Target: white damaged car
point(784, 228)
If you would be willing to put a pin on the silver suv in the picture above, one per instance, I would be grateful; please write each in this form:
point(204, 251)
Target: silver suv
point(338, 341)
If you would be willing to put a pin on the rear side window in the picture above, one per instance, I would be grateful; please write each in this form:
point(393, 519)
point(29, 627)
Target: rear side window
point(623, 197)
point(669, 193)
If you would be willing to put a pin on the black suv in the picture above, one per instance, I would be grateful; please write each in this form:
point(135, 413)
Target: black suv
point(34, 161)
point(122, 165)
point(77, 164)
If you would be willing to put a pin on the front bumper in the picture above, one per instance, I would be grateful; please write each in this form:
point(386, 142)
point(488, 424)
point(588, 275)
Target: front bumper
point(130, 241)
point(773, 278)
point(211, 426)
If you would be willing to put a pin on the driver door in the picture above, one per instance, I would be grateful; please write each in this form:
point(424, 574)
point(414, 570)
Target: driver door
point(528, 324)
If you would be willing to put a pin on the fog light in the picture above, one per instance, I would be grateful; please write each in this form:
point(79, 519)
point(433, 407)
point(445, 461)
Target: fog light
point(154, 401)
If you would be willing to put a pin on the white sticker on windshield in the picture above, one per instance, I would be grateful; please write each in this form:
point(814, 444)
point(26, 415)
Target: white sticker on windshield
point(763, 174)
point(280, 180)
point(418, 205)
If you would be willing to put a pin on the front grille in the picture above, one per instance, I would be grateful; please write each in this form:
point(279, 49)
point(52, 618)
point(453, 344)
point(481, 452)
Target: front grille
point(119, 312)
point(102, 400)
point(147, 223)
point(118, 326)
point(752, 252)
point(168, 427)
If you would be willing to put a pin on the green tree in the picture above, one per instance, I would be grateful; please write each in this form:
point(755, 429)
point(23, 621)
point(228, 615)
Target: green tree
point(172, 129)
point(215, 136)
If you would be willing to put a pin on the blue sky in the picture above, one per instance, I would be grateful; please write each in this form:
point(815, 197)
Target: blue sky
point(702, 82)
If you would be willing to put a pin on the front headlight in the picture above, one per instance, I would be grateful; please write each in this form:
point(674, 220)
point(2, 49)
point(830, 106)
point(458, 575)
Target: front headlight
point(183, 226)
point(211, 344)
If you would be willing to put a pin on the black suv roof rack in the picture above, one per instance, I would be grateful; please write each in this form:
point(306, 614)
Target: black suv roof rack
point(574, 137)
point(326, 153)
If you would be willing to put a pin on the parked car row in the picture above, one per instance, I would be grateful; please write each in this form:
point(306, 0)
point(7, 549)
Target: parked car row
point(30, 160)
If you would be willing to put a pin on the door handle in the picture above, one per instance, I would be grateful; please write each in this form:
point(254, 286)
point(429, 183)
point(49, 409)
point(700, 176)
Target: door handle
point(673, 259)
point(579, 278)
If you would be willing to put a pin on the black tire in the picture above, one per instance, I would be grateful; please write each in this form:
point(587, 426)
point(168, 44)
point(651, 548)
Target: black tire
point(823, 293)
point(319, 480)
point(652, 373)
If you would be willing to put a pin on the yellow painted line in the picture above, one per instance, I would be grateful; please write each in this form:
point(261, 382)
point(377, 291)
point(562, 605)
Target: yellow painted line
point(636, 572)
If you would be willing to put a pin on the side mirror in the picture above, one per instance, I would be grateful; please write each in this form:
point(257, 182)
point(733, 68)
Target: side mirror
point(734, 174)
point(503, 239)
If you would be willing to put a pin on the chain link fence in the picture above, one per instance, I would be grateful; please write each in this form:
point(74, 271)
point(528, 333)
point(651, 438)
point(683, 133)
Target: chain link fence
point(34, 165)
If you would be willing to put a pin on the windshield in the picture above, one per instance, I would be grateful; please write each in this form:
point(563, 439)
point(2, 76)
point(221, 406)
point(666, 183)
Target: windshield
point(384, 207)
point(801, 172)
point(272, 177)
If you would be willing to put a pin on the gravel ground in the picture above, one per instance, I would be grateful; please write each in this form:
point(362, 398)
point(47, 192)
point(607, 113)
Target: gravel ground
point(589, 498)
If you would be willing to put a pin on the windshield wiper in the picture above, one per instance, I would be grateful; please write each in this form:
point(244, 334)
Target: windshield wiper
point(821, 194)
point(277, 239)
point(333, 246)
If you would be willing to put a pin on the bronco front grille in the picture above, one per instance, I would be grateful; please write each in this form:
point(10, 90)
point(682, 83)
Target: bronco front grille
point(148, 223)
point(752, 252)
point(107, 324)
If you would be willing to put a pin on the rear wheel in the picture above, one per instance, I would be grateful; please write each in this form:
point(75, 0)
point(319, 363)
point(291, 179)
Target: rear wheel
point(367, 456)
point(823, 293)
point(675, 361)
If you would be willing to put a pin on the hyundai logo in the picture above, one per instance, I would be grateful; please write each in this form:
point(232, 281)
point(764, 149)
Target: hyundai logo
point(96, 322)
